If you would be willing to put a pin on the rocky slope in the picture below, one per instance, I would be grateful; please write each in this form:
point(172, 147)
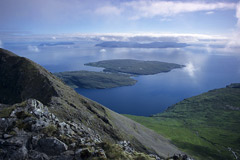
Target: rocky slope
point(34, 130)
point(30, 131)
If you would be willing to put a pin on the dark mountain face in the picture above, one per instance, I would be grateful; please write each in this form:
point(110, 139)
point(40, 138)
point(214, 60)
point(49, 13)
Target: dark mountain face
point(21, 79)
point(24, 79)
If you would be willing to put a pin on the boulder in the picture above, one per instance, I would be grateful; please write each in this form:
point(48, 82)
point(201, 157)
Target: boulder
point(51, 146)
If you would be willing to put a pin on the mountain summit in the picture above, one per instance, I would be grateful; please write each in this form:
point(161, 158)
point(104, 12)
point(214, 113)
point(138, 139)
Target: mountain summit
point(42, 117)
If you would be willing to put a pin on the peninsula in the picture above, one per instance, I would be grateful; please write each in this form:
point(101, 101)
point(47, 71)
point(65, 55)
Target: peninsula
point(97, 80)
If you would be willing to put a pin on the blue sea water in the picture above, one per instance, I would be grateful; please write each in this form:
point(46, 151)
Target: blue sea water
point(205, 70)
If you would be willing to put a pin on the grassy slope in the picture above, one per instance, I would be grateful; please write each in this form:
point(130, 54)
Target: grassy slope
point(90, 79)
point(203, 126)
point(136, 67)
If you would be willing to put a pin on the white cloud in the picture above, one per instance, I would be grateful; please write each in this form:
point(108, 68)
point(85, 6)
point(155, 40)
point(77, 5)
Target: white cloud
point(210, 12)
point(108, 10)
point(33, 48)
point(146, 8)
point(150, 37)
point(166, 19)
point(102, 50)
point(235, 38)
point(238, 14)
point(1, 44)
point(190, 69)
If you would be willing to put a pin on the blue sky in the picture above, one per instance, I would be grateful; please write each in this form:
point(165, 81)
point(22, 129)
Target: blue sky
point(119, 16)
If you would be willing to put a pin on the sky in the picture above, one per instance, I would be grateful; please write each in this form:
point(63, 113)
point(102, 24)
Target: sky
point(212, 17)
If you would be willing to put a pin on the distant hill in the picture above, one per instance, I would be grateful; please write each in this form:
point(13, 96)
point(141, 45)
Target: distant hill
point(56, 44)
point(119, 44)
point(206, 126)
point(42, 118)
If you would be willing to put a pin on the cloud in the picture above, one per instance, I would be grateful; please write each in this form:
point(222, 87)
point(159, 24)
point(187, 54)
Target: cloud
point(234, 40)
point(102, 50)
point(166, 19)
point(151, 37)
point(210, 12)
point(1, 44)
point(146, 8)
point(190, 69)
point(33, 48)
point(49, 13)
point(238, 14)
point(108, 10)
point(64, 16)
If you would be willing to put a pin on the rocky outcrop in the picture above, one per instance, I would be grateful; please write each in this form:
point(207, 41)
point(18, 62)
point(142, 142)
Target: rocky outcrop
point(69, 117)
point(30, 131)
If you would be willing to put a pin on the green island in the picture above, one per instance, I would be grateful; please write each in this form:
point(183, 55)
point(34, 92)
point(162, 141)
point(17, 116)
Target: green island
point(97, 80)
point(136, 67)
point(205, 126)
point(117, 73)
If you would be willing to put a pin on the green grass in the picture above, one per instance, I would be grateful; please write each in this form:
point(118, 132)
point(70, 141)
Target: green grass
point(204, 126)
point(5, 112)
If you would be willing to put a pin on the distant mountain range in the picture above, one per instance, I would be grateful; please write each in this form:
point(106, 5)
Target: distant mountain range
point(120, 44)
point(56, 43)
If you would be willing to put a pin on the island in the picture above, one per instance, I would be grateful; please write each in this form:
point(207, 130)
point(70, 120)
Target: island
point(136, 67)
point(96, 80)
point(117, 73)
point(120, 44)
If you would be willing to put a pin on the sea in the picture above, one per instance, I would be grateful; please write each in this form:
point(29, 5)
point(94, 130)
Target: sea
point(206, 69)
